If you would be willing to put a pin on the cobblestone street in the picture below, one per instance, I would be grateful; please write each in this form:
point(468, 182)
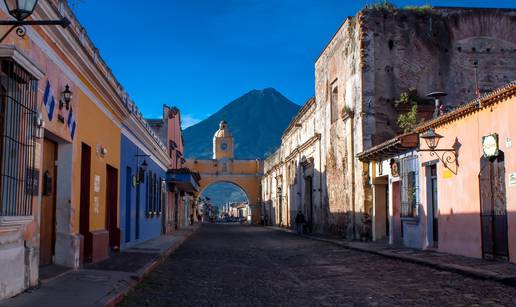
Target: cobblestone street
point(252, 266)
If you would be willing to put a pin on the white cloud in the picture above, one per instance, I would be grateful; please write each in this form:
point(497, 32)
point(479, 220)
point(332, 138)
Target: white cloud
point(188, 120)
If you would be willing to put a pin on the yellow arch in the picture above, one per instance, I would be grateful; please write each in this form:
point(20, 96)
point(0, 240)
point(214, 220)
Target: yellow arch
point(245, 174)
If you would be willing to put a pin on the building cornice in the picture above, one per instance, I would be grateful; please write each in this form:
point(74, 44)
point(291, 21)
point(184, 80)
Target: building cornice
point(74, 50)
point(305, 145)
point(304, 110)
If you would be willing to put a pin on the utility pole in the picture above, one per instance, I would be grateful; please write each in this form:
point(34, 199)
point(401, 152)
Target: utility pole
point(477, 89)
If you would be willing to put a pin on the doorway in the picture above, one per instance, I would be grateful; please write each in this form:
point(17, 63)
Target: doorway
point(128, 193)
point(84, 220)
point(112, 207)
point(48, 204)
point(397, 226)
point(176, 211)
point(309, 205)
point(493, 208)
point(433, 206)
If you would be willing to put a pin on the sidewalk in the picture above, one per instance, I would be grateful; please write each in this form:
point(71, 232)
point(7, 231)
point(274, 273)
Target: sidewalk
point(504, 272)
point(104, 283)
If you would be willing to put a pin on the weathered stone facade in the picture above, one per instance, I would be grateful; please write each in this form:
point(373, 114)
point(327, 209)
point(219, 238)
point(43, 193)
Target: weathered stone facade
point(371, 59)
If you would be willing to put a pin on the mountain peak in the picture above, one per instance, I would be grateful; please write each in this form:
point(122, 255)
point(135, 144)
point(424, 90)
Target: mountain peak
point(268, 90)
point(257, 120)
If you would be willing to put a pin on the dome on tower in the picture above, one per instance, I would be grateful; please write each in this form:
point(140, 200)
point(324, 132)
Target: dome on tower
point(223, 130)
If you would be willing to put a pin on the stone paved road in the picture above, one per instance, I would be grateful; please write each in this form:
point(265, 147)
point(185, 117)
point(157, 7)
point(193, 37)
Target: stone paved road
point(233, 265)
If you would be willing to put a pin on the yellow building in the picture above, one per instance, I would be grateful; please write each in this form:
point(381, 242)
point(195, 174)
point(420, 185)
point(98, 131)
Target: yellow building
point(224, 167)
point(60, 156)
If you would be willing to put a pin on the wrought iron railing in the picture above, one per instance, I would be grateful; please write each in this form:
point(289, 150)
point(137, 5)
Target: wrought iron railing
point(18, 111)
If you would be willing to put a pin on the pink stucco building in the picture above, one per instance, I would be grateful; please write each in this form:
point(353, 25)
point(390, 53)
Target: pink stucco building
point(455, 191)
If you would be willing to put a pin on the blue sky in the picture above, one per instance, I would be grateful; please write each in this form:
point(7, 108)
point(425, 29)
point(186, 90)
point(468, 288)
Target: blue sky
point(201, 54)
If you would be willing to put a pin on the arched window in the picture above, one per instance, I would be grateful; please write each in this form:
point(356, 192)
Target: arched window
point(334, 104)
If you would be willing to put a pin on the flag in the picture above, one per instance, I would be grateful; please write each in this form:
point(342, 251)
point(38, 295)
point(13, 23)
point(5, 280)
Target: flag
point(71, 123)
point(48, 101)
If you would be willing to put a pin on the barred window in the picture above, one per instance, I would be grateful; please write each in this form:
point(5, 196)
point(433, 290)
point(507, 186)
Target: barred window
point(409, 186)
point(18, 113)
point(154, 195)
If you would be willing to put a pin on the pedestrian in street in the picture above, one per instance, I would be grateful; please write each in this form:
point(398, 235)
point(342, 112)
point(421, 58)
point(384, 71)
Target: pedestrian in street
point(191, 219)
point(300, 221)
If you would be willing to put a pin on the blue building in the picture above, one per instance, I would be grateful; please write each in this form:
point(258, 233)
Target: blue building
point(142, 194)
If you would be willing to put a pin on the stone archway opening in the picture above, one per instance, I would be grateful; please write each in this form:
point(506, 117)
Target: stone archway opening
point(228, 199)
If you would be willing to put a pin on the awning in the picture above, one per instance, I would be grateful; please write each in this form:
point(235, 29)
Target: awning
point(184, 179)
point(390, 148)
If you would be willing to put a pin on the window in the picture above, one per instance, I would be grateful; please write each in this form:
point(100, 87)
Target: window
point(18, 177)
point(409, 186)
point(334, 102)
point(154, 195)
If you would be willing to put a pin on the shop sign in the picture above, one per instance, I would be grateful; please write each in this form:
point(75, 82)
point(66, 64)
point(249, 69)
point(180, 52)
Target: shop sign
point(512, 180)
point(447, 174)
point(490, 145)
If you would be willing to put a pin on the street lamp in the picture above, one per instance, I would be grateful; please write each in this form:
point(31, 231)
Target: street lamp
point(431, 138)
point(446, 156)
point(20, 10)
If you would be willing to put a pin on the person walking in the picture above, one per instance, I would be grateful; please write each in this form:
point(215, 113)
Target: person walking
point(300, 222)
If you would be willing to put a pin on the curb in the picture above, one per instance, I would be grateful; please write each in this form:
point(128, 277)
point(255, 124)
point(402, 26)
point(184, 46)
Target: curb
point(466, 271)
point(144, 272)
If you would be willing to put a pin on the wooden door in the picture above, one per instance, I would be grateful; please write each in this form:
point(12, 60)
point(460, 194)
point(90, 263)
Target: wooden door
point(112, 207)
point(493, 208)
point(84, 218)
point(48, 203)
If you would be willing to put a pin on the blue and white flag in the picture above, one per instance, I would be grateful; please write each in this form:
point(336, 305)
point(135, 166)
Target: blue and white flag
point(48, 101)
point(71, 123)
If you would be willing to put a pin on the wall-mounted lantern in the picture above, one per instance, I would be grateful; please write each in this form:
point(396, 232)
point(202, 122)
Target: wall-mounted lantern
point(21, 10)
point(446, 156)
point(101, 151)
point(431, 138)
point(66, 97)
point(139, 177)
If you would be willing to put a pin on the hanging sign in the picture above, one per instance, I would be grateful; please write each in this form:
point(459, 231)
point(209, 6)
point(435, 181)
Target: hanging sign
point(490, 145)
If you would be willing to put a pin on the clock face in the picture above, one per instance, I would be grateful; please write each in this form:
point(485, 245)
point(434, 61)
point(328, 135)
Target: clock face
point(224, 146)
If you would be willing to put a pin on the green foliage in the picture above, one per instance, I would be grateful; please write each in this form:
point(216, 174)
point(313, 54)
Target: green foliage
point(420, 9)
point(411, 98)
point(382, 5)
point(346, 111)
point(408, 120)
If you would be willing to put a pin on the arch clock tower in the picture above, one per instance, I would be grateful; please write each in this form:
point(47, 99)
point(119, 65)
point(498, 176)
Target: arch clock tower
point(223, 143)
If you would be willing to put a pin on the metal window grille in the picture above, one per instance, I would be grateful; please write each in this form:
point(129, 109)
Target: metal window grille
point(18, 111)
point(409, 186)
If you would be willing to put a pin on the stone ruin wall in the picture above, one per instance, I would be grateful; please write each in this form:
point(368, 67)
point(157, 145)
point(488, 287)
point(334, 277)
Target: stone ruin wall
point(433, 50)
point(339, 66)
point(378, 54)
